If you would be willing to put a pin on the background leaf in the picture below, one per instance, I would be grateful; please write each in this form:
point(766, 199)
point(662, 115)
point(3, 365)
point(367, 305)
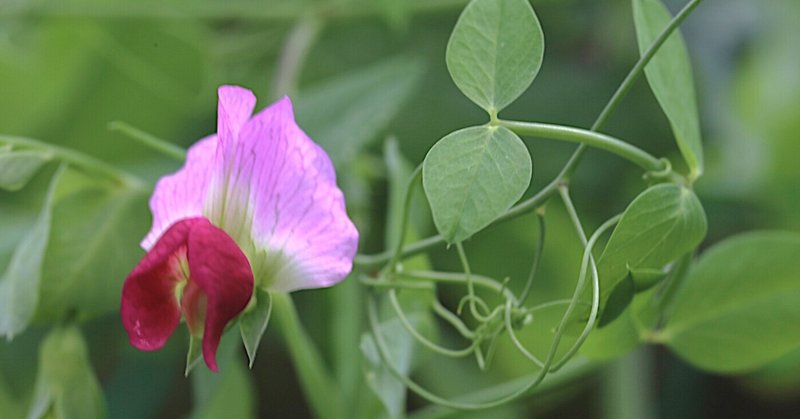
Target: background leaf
point(495, 51)
point(18, 167)
point(670, 76)
point(663, 223)
point(19, 285)
point(92, 246)
point(66, 387)
point(472, 176)
point(739, 308)
point(345, 113)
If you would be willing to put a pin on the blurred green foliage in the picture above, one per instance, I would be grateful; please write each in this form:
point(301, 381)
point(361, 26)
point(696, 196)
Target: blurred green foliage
point(376, 69)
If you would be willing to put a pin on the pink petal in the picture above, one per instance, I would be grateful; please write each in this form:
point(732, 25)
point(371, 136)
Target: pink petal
point(183, 194)
point(149, 309)
point(219, 268)
point(287, 183)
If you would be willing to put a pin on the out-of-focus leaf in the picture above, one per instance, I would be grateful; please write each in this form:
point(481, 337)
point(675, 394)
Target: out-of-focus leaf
point(253, 324)
point(344, 114)
point(66, 387)
point(228, 393)
point(92, 246)
point(472, 176)
point(670, 76)
point(495, 51)
point(416, 303)
point(390, 390)
point(18, 167)
point(19, 285)
point(739, 308)
point(663, 223)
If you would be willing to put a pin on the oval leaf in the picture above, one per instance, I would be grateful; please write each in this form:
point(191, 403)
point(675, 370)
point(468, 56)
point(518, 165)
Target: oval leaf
point(472, 176)
point(18, 167)
point(495, 51)
point(669, 74)
point(739, 308)
point(663, 223)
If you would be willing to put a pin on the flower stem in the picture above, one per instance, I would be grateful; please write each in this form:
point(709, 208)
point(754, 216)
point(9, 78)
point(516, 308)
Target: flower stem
point(322, 392)
point(590, 138)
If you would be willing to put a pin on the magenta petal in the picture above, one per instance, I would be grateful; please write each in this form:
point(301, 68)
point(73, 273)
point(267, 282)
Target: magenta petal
point(149, 309)
point(183, 194)
point(220, 269)
point(299, 221)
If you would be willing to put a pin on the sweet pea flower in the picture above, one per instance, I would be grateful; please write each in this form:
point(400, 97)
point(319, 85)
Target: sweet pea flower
point(255, 205)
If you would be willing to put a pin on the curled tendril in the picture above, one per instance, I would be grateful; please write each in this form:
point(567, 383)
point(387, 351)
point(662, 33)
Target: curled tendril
point(501, 318)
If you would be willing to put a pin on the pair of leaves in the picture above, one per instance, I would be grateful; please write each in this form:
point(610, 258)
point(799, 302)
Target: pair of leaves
point(669, 74)
point(65, 384)
point(473, 175)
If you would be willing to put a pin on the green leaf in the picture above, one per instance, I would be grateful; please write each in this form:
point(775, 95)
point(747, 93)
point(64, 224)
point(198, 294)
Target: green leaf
point(19, 285)
point(495, 51)
point(344, 114)
point(472, 176)
point(93, 245)
point(663, 223)
point(739, 308)
point(18, 167)
point(66, 387)
point(253, 323)
point(194, 355)
point(670, 76)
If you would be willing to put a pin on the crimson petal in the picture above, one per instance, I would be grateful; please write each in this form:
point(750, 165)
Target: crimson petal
point(222, 272)
point(149, 309)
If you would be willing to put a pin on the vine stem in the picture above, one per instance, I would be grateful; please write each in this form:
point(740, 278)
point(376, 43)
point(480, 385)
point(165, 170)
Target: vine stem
point(371, 261)
point(590, 138)
point(627, 83)
point(78, 159)
point(321, 390)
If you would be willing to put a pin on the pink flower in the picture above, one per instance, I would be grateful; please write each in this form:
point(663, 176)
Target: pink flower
point(255, 205)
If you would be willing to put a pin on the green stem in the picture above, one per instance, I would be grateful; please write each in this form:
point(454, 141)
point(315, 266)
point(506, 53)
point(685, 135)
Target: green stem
point(590, 138)
point(321, 390)
point(148, 140)
point(78, 159)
